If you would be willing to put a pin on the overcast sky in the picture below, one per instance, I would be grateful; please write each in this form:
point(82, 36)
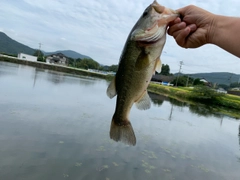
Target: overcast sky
point(99, 28)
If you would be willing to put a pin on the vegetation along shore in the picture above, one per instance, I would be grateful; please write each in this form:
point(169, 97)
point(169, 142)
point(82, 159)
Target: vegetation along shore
point(55, 67)
point(223, 103)
point(201, 95)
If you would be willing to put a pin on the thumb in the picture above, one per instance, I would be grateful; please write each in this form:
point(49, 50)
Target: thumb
point(182, 11)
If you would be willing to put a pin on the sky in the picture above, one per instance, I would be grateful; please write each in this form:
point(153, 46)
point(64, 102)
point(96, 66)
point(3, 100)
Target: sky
point(99, 29)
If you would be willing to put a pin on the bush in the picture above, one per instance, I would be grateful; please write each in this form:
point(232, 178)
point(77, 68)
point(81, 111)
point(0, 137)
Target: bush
point(206, 95)
point(227, 102)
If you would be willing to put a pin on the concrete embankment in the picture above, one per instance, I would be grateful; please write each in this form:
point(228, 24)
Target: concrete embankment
point(55, 67)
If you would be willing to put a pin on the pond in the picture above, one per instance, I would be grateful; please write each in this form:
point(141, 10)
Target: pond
point(56, 126)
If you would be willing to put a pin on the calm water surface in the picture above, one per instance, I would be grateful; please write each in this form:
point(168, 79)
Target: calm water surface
point(56, 126)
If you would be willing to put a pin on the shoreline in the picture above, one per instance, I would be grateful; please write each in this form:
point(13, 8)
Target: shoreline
point(55, 67)
point(172, 92)
point(229, 106)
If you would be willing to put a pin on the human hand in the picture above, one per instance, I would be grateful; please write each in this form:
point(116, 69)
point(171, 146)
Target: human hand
point(194, 29)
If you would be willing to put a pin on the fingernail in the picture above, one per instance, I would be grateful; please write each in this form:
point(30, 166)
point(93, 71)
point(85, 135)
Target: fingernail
point(193, 27)
point(178, 20)
point(181, 25)
point(187, 29)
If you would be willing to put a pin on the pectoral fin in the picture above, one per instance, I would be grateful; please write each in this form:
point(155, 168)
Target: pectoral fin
point(111, 90)
point(158, 65)
point(142, 62)
point(144, 102)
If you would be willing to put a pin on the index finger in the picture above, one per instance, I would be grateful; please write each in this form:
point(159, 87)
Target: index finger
point(175, 21)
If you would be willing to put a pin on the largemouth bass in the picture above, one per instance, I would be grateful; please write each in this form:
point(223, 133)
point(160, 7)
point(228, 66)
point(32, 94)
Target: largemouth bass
point(139, 60)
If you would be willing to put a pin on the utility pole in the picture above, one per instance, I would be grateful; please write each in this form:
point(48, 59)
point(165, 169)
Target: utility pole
point(230, 79)
point(39, 49)
point(187, 81)
point(238, 80)
point(181, 63)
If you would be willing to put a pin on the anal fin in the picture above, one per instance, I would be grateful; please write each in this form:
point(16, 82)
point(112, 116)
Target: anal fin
point(111, 90)
point(144, 102)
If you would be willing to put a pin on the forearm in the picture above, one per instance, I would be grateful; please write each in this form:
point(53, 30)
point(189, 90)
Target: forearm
point(225, 33)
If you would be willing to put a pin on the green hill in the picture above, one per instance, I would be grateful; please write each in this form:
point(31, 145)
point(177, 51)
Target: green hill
point(10, 46)
point(69, 53)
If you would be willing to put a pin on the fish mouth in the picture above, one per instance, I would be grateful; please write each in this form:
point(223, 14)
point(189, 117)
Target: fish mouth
point(162, 17)
point(150, 36)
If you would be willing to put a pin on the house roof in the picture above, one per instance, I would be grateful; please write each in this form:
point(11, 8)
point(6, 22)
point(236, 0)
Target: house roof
point(203, 80)
point(55, 59)
point(163, 78)
point(61, 55)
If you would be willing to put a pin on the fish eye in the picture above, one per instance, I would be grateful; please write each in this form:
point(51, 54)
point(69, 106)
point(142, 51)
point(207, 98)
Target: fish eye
point(144, 14)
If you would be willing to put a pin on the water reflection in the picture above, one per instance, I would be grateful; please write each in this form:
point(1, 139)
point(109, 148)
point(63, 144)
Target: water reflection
point(60, 77)
point(201, 110)
point(35, 75)
point(55, 77)
point(8, 69)
point(46, 133)
point(157, 99)
point(204, 111)
point(239, 130)
point(239, 136)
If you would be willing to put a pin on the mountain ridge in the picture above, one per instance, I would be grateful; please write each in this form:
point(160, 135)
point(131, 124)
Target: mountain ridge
point(215, 77)
point(10, 46)
point(69, 53)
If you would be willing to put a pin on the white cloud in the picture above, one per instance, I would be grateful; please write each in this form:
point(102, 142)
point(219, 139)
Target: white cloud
point(99, 28)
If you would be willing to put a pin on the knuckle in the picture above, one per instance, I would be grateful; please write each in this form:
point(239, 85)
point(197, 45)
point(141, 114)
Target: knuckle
point(190, 6)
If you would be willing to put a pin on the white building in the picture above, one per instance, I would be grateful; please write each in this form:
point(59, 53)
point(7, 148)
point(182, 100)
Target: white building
point(27, 57)
point(221, 90)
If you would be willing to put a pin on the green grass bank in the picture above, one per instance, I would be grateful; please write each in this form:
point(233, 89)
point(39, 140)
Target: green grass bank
point(222, 103)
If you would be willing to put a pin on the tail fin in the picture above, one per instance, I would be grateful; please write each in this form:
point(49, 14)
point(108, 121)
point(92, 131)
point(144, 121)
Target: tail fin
point(123, 133)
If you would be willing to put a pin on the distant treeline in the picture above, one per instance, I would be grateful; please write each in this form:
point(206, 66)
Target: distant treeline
point(179, 80)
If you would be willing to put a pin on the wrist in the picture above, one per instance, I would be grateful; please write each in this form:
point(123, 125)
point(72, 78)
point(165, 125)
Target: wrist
point(212, 29)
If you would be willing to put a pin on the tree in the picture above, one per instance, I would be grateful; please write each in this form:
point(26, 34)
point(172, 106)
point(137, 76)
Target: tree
point(103, 68)
point(71, 62)
point(87, 64)
point(224, 86)
point(197, 82)
point(39, 55)
point(205, 94)
point(234, 84)
point(182, 80)
point(113, 68)
point(165, 70)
